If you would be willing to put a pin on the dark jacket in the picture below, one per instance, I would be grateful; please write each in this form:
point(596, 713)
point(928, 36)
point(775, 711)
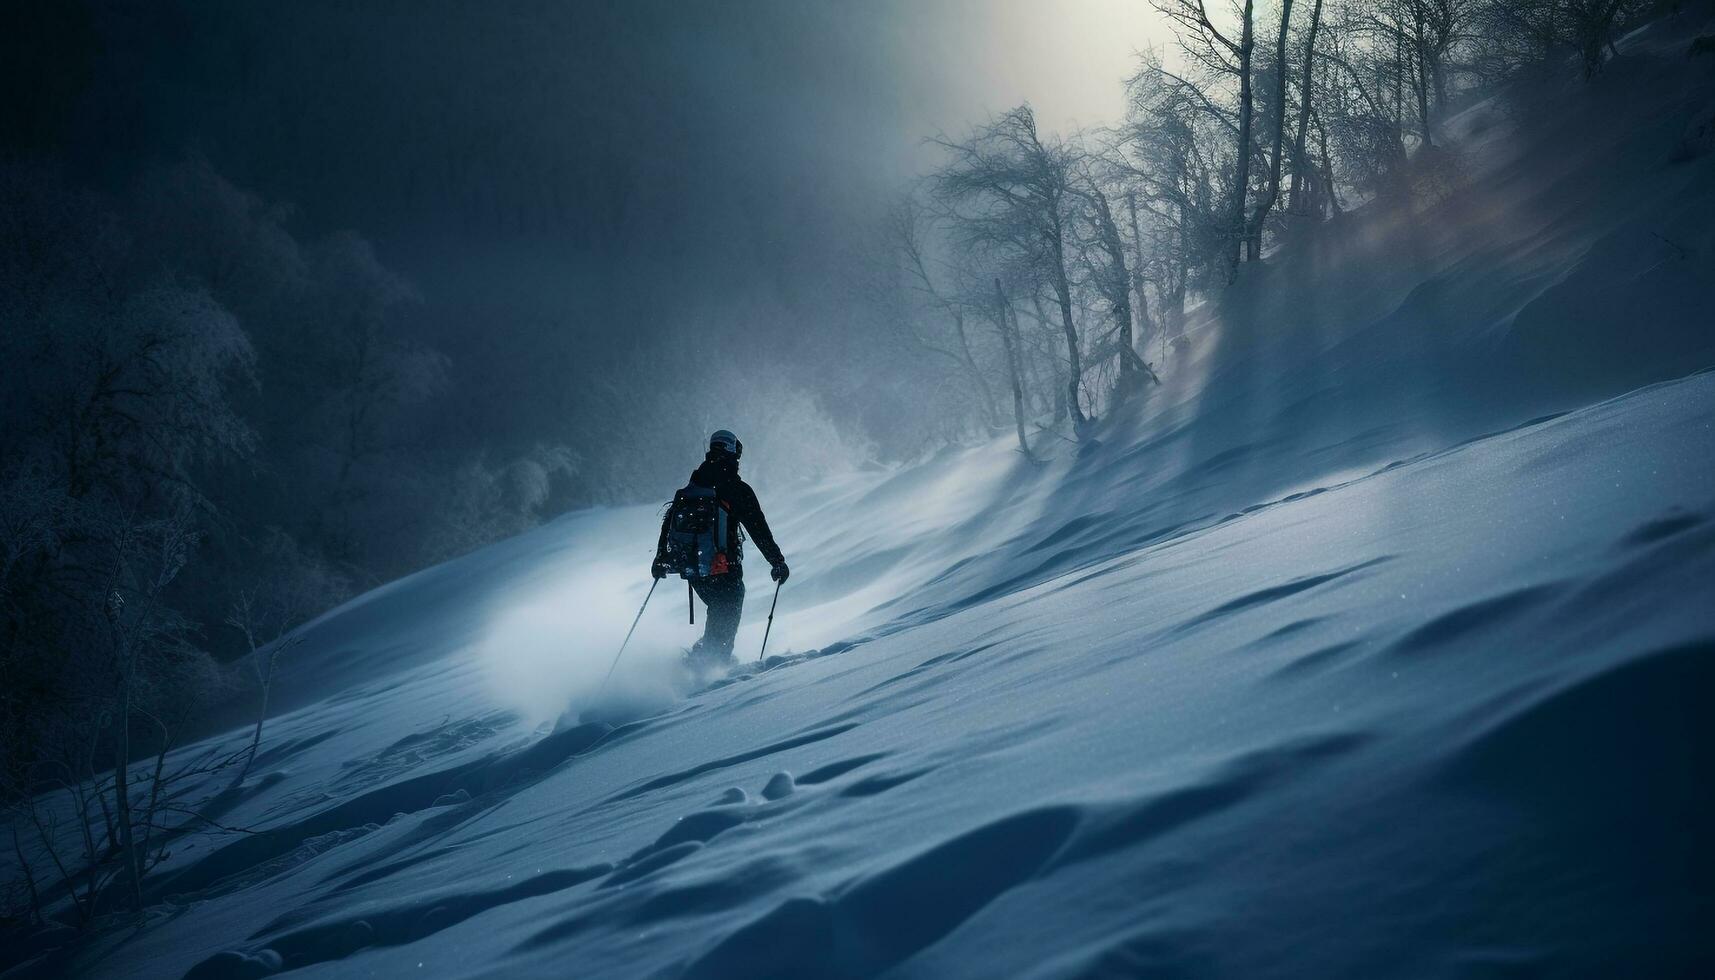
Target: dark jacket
point(720, 471)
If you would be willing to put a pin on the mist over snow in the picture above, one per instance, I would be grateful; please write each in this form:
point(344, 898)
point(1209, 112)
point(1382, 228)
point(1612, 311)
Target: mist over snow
point(1273, 550)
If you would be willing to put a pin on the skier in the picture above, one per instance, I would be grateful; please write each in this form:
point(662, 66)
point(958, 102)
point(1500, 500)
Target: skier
point(701, 541)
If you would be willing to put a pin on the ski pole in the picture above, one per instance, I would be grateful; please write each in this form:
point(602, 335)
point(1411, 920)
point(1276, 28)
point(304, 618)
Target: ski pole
point(628, 633)
point(770, 625)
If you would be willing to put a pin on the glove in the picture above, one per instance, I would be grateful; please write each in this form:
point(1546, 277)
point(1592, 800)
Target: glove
point(658, 570)
point(779, 572)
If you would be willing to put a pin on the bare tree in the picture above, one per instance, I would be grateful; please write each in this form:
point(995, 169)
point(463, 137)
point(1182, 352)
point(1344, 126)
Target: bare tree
point(906, 233)
point(1442, 26)
point(262, 618)
point(1104, 254)
point(1277, 130)
point(1175, 175)
point(1139, 281)
point(1360, 114)
point(1009, 192)
point(146, 557)
point(1593, 28)
point(1301, 181)
point(132, 400)
point(1223, 58)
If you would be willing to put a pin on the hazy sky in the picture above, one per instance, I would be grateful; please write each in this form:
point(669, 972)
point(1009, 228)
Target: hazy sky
point(544, 170)
point(1067, 57)
point(391, 115)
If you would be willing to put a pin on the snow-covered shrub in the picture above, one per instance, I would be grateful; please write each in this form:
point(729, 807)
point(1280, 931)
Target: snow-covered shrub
point(484, 502)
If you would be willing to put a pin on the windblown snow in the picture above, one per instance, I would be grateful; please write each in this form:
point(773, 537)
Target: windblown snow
point(1378, 641)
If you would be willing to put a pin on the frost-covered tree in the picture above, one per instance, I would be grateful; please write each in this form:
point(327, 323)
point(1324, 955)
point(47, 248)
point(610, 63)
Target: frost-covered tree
point(1224, 58)
point(931, 320)
point(1172, 140)
point(1108, 262)
point(1008, 191)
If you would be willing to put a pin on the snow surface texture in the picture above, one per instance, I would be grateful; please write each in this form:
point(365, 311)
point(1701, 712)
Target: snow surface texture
point(1329, 663)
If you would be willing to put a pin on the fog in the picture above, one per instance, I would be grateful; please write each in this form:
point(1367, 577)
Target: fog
point(472, 265)
point(559, 182)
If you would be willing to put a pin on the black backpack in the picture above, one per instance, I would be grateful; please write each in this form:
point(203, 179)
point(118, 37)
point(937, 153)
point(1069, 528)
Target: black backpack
point(699, 535)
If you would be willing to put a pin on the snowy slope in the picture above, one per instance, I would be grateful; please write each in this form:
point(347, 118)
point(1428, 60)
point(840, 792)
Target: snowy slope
point(1377, 642)
point(1448, 717)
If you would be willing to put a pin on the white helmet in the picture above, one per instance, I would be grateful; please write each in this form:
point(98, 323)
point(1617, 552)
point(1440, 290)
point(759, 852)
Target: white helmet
point(725, 441)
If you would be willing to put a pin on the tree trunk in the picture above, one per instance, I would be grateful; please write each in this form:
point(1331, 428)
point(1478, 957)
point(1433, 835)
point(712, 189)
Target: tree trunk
point(1598, 37)
point(1420, 77)
point(1175, 312)
point(256, 733)
point(1399, 79)
point(1119, 290)
point(1145, 326)
point(1063, 292)
point(1272, 189)
point(1241, 179)
point(1008, 330)
point(1145, 333)
point(1300, 179)
point(1327, 168)
point(1422, 87)
point(154, 804)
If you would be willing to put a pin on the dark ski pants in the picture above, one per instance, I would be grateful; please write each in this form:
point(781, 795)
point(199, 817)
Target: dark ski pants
point(724, 595)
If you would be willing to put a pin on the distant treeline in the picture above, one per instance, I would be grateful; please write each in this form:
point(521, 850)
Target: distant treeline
point(1038, 271)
